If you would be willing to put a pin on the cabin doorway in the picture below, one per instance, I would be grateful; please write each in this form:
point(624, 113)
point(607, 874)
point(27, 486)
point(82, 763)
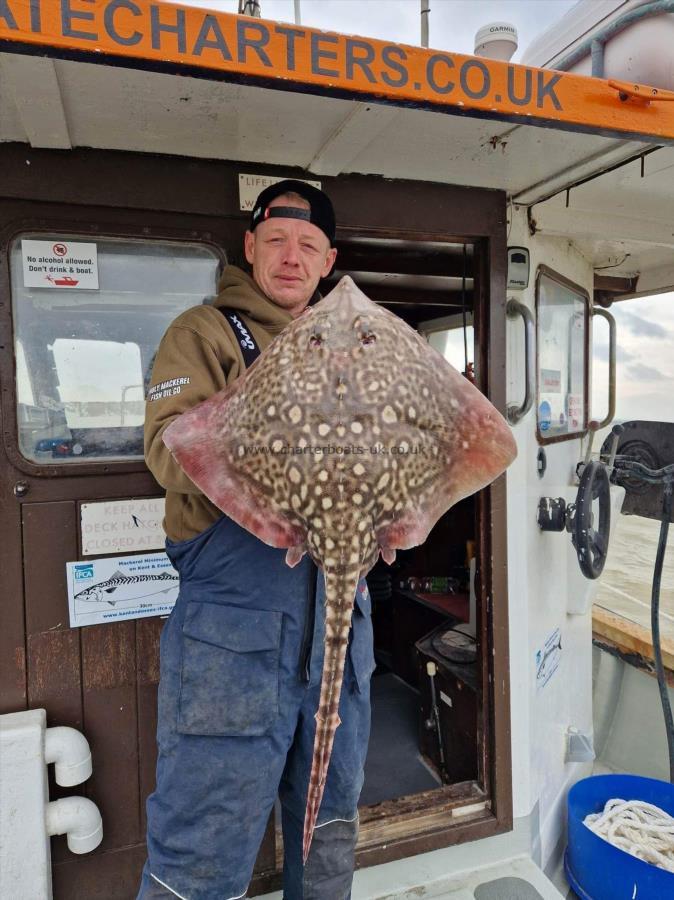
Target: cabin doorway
point(427, 736)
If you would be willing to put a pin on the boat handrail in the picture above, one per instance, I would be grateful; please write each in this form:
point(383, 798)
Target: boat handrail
point(594, 45)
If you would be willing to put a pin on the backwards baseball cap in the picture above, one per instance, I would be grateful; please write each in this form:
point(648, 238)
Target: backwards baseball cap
point(321, 214)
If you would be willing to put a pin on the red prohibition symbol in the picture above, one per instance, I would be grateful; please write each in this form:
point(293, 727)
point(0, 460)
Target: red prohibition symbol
point(60, 249)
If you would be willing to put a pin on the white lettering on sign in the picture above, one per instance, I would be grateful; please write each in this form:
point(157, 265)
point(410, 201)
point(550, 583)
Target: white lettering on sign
point(250, 187)
point(60, 264)
point(121, 526)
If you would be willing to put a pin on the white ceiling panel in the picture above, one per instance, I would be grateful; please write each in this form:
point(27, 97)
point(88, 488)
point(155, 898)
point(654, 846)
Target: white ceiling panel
point(127, 109)
point(123, 109)
point(34, 83)
point(617, 200)
point(624, 221)
point(11, 128)
point(479, 152)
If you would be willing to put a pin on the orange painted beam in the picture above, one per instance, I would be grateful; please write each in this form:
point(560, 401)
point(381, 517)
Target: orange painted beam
point(167, 37)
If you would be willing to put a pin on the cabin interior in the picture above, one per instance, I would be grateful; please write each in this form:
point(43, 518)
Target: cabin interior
point(426, 735)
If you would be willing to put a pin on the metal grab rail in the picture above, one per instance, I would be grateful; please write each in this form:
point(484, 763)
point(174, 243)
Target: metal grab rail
point(128, 387)
point(513, 309)
point(594, 46)
point(598, 311)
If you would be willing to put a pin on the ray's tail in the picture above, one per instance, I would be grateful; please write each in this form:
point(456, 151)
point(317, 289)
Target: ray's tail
point(340, 589)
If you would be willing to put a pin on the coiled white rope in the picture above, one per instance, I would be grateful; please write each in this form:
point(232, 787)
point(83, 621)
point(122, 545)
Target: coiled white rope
point(638, 828)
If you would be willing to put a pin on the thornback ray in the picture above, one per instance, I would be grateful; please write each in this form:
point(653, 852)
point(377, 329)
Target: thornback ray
point(198, 441)
point(347, 438)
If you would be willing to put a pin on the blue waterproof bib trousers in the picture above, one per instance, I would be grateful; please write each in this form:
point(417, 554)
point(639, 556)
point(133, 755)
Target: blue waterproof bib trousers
point(241, 663)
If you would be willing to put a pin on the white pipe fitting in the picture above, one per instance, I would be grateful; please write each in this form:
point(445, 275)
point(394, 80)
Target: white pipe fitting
point(69, 749)
point(77, 818)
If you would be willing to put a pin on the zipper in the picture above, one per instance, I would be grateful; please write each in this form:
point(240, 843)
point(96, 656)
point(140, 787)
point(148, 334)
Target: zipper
point(309, 622)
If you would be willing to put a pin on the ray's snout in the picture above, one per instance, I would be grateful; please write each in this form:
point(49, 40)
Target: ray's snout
point(341, 358)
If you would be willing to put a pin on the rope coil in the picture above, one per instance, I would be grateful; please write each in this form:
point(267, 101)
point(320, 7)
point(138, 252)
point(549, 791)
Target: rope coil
point(638, 828)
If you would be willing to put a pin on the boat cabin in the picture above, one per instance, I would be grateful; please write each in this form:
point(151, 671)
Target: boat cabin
point(497, 208)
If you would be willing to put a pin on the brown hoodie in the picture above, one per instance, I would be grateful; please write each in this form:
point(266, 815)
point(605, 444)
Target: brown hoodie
point(197, 357)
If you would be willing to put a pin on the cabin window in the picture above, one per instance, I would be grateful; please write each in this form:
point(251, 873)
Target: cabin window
point(448, 336)
point(84, 354)
point(644, 407)
point(562, 335)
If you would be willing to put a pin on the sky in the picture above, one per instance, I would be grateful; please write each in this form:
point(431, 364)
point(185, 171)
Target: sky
point(452, 23)
point(645, 357)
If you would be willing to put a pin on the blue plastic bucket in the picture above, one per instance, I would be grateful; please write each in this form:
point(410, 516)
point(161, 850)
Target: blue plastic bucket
point(596, 869)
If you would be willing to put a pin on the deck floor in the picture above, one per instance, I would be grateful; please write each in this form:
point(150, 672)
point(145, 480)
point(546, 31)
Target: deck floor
point(394, 745)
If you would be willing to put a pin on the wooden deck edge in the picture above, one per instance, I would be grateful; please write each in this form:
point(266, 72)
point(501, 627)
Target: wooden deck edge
point(628, 637)
point(447, 807)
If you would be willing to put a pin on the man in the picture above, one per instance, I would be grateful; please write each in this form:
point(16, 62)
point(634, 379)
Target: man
point(242, 652)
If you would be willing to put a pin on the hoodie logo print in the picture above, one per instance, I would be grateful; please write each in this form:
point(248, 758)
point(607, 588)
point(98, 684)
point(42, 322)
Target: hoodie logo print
point(167, 388)
point(246, 339)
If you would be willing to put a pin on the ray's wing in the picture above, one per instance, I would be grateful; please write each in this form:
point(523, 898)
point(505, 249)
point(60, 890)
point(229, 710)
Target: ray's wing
point(469, 445)
point(207, 441)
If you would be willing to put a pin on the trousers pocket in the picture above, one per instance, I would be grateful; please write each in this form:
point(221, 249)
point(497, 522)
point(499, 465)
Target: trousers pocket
point(229, 680)
point(362, 649)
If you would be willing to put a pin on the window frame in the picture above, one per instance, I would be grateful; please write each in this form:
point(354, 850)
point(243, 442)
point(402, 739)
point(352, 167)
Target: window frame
point(445, 323)
point(37, 228)
point(546, 271)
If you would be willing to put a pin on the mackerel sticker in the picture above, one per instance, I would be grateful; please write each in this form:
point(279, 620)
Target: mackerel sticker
point(548, 658)
point(119, 588)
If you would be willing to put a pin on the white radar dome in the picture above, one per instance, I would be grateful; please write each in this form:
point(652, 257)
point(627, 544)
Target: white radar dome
point(498, 40)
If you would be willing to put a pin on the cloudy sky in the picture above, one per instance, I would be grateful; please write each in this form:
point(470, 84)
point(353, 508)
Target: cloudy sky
point(645, 371)
point(452, 23)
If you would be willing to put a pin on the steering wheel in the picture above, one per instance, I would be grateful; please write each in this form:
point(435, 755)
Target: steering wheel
point(592, 544)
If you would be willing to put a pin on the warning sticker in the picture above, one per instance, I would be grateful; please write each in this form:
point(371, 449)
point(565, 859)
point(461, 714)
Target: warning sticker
point(574, 404)
point(250, 186)
point(122, 526)
point(59, 264)
point(551, 381)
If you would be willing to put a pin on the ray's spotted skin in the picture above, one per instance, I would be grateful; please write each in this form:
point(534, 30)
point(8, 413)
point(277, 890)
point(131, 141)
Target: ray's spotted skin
point(348, 437)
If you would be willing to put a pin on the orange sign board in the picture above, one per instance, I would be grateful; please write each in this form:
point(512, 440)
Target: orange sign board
point(170, 37)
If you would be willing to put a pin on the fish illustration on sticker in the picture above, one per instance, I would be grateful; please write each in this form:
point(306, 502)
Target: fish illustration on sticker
point(121, 588)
